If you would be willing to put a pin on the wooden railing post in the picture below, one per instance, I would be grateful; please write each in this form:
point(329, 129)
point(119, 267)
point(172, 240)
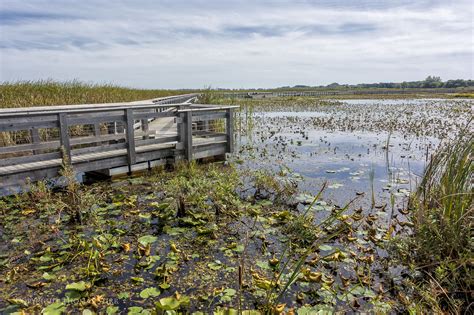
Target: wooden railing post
point(35, 137)
point(230, 130)
point(64, 136)
point(145, 128)
point(131, 157)
point(188, 135)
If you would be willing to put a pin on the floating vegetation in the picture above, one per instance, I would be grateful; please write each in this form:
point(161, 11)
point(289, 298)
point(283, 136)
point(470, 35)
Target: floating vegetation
point(304, 220)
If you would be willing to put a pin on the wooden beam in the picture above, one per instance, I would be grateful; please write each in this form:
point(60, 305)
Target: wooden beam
point(230, 131)
point(130, 137)
point(64, 136)
point(188, 135)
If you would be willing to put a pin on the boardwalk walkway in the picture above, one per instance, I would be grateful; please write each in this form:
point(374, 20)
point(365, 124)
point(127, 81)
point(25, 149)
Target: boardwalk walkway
point(110, 138)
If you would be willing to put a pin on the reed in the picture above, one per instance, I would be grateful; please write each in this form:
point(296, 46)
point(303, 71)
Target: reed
point(49, 92)
point(441, 244)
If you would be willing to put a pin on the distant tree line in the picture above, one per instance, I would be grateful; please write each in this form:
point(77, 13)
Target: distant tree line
point(429, 82)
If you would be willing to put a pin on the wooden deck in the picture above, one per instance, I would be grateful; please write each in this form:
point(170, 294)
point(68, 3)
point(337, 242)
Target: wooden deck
point(110, 138)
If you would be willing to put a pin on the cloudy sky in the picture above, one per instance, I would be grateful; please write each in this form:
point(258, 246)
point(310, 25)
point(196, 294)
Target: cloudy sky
point(233, 44)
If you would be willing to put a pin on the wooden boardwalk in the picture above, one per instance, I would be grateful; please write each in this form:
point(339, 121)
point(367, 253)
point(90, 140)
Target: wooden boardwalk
point(333, 92)
point(109, 138)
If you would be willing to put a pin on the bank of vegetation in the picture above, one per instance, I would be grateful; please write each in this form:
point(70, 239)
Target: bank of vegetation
point(49, 92)
point(441, 249)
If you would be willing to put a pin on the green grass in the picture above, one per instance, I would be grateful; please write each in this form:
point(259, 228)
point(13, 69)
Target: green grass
point(48, 92)
point(441, 246)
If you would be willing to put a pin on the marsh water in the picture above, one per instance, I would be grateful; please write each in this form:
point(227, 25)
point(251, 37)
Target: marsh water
point(356, 146)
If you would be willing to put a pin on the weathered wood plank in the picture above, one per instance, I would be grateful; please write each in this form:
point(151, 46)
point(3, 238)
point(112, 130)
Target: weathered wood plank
point(19, 160)
point(213, 151)
point(130, 137)
point(188, 135)
point(206, 116)
point(29, 147)
point(94, 139)
point(154, 115)
point(230, 131)
point(199, 142)
point(139, 143)
point(64, 136)
point(27, 125)
point(145, 128)
point(95, 149)
point(95, 119)
point(101, 107)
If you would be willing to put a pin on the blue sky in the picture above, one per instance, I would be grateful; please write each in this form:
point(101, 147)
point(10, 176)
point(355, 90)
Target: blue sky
point(234, 44)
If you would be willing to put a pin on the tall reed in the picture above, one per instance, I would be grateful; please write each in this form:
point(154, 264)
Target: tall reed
point(49, 92)
point(441, 246)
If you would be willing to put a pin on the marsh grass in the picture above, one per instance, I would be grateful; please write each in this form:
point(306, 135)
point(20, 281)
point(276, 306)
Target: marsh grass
point(207, 96)
point(441, 245)
point(49, 92)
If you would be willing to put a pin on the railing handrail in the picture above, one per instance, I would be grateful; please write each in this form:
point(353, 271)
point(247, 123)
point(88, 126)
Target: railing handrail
point(93, 107)
point(110, 109)
point(201, 108)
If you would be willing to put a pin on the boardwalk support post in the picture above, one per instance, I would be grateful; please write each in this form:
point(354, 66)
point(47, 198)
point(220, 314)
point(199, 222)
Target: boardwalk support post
point(35, 137)
point(64, 136)
point(188, 135)
point(230, 130)
point(131, 157)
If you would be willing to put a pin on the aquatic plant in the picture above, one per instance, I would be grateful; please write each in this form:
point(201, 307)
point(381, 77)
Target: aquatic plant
point(443, 214)
point(207, 96)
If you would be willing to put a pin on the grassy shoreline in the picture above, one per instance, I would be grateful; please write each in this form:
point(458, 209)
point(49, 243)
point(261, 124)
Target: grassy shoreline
point(47, 92)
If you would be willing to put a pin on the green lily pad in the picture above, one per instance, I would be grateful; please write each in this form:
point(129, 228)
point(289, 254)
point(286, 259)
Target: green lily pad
point(172, 303)
point(230, 292)
point(164, 286)
point(111, 310)
point(56, 308)
point(149, 292)
point(147, 239)
point(263, 264)
point(137, 279)
point(78, 286)
point(325, 247)
point(48, 276)
point(123, 295)
point(215, 265)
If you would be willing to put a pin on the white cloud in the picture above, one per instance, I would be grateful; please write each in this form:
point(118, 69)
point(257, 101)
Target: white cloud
point(235, 44)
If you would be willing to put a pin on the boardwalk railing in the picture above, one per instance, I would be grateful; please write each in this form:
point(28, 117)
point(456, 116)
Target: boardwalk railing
point(34, 142)
point(260, 94)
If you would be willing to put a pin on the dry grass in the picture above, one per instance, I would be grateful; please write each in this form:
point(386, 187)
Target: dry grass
point(48, 92)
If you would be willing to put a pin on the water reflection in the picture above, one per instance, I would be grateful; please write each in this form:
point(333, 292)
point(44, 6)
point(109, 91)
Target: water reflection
point(273, 138)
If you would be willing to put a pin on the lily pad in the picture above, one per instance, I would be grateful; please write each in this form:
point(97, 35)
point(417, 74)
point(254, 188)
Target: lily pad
point(56, 308)
point(325, 247)
point(149, 292)
point(78, 286)
point(172, 303)
point(111, 310)
point(215, 265)
point(147, 239)
point(48, 276)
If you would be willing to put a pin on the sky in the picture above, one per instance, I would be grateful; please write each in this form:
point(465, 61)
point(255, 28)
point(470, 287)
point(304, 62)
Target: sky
point(235, 44)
